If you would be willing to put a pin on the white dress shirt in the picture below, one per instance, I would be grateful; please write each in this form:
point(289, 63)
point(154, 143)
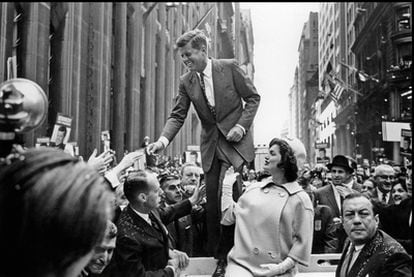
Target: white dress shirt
point(209, 87)
point(208, 82)
point(143, 216)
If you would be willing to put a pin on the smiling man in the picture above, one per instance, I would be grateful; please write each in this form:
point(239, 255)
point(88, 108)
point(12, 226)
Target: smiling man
point(333, 194)
point(369, 251)
point(384, 175)
point(226, 103)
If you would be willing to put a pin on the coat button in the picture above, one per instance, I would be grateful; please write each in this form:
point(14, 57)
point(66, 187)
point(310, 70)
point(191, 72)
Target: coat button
point(266, 190)
point(256, 251)
point(281, 194)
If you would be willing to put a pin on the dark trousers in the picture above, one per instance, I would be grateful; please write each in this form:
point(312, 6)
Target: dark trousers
point(220, 238)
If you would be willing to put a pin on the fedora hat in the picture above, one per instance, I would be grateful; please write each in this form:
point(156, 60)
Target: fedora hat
point(341, 161)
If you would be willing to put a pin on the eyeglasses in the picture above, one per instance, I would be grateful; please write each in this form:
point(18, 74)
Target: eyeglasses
point(385, 177)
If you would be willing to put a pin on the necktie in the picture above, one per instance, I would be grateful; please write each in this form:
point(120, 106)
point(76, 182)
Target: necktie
point(347, 261)
point(384, 198)
point(203, 88)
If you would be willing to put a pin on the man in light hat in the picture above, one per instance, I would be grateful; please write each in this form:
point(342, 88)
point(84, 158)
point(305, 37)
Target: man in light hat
point(333, 194)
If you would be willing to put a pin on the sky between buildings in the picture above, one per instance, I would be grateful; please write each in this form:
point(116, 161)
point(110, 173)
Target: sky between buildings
point(277, 27)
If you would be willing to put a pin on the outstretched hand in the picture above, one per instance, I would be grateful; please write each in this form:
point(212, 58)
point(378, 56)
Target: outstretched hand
point(101, 162)
point(155, 147)
point(198, 195)
point(230, 177)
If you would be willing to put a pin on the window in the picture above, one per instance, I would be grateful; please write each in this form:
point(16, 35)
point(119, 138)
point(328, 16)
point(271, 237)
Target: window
point(403, 18)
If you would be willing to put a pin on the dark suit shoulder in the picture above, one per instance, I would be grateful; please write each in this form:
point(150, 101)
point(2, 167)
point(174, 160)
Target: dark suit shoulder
point(391, 246)
point(322, 190)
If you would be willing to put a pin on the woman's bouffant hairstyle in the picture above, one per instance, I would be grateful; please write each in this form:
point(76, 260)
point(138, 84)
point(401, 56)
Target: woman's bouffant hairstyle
point(288, 161)
point(53, 211)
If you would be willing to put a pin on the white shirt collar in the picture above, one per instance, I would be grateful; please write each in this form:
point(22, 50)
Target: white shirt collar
point(349, 184)
point(207, 70)
point(144, 216)
point(358, 247)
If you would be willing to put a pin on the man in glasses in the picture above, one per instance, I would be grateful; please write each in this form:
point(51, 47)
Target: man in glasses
point(384, 176)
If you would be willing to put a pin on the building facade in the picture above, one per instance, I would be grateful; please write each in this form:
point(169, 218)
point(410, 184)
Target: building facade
point(114, 65)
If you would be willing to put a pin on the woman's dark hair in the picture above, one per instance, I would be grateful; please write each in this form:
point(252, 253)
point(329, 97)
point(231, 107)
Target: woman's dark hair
point(402, 182)
point(53, 211)
point(288, 161)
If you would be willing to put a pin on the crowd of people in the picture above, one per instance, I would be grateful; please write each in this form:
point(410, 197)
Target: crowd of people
point(64, 216)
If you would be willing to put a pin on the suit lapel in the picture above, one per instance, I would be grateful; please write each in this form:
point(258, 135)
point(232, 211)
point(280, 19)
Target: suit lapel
point(332, 200)
point(219, 82)
point(360, 264)
point(196, 94)
point(141, 224)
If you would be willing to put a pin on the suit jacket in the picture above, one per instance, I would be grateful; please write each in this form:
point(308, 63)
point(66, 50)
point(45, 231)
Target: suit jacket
point(381, 257)
point(325, 196)
point(231, 86)
point(324, 232)
point(141, 249)
point(376, 199)
point(394, 220)
point(181, 234)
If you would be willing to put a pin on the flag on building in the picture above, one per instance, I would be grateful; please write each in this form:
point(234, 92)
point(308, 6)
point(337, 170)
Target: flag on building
point(335, 87)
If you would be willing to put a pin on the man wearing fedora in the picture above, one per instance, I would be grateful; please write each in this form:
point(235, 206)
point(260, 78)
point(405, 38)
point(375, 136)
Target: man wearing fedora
point(333, 194)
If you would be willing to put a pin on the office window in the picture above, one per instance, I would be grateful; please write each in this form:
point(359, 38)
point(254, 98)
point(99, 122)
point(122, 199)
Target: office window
point(403, 18)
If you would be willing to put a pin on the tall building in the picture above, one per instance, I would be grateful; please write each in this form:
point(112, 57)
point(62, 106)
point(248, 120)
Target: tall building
point(383, 51)
point(336, 107)
point(114, 65)
point(307, 89)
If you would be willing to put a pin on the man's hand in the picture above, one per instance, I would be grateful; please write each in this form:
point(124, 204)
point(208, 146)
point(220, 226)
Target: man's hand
point(180, 258)
point(235, 134)
point(198, 195)
point(126, 162)
point(155, 147)
point(344, 191)
point(101, 162)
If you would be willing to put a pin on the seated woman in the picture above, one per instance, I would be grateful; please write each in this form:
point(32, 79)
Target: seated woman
point(53, 212)
point(274, 219)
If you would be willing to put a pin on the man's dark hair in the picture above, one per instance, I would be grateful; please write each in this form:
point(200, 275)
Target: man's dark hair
point(357, 195)
point(196, 37)
point(136, 182)
point(62, 129)
point(167, 177)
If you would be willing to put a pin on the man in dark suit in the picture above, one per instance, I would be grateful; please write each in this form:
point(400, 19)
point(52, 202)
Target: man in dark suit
point(180, 230)
point(369, 251)
point(217, 89)
point(143, 246)
point(332, 195)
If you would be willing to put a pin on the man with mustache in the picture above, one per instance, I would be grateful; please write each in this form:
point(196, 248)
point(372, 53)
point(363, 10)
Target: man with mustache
point(226, 103)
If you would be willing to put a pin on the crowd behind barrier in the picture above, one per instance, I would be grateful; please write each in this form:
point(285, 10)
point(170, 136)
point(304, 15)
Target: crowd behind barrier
point(387, 185)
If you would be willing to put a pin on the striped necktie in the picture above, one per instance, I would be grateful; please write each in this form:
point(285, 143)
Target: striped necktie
point(347, 261)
